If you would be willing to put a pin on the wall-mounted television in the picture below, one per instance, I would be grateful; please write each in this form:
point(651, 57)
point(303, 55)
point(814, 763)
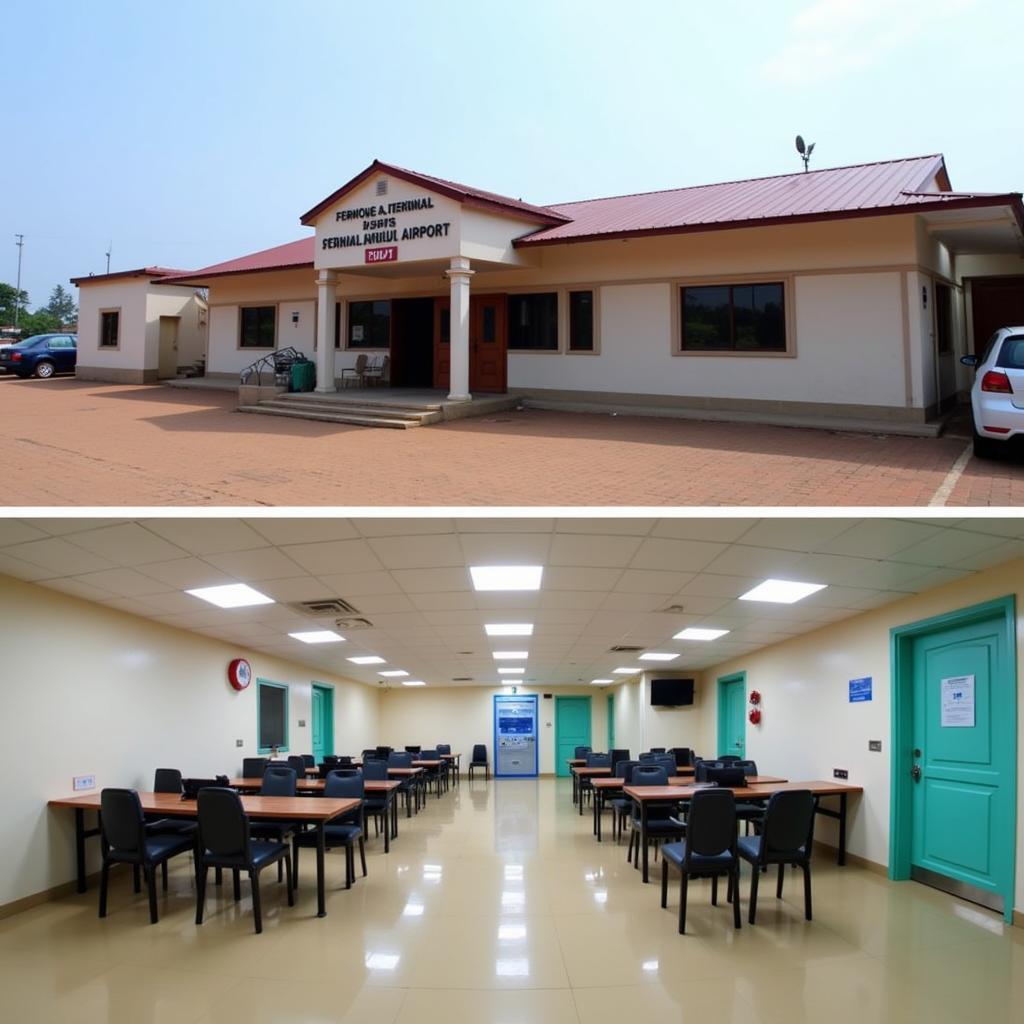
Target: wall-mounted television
point(671, 693)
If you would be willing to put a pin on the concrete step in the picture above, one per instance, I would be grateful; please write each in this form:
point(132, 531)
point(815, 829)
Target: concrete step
point(333, 417)
point(365, 411)
point(328, 401)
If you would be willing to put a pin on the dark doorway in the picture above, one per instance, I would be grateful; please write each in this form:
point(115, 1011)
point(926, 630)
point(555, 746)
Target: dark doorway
point(995, 302)
point(412, 343)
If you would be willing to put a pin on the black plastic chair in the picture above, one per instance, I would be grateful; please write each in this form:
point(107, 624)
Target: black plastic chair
point(448, 768)
point(750, 813)
point(376, 806)
point(403, 759)
point(617, 754)
point(432, 775)
point(730, 776)
point(701, 768)
point(344, 830)
point(298, 763)
point(621, 805)
point(787, 834)
point(309, 760)
point(382, 753)
point(581, 752)
point(661, 823)
point(657, 750)
point(254, 767)
point(708, 849)
point(479, 760)
point(168, 780)
point(225, 841)
point(277, 782)
point(125, 841)
point(585, 788)
point(683, 756)
point(413, 750)
point(727, 758)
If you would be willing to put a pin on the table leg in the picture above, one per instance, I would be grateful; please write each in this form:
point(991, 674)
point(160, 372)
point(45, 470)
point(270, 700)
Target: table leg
point(394, 818)
point(643, 834)
point(321, 902)
point(80, 847)
point(841, 857)
point(573, 776)
point(580, 799)
point(598, 809)
point(410, 794)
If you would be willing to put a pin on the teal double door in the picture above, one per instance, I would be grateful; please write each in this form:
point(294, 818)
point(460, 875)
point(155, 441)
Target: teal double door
point(954, 754)
point(572, 730)
point(322, 721)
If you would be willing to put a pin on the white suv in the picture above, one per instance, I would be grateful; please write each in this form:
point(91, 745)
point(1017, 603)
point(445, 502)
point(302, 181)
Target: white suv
point(997, 398)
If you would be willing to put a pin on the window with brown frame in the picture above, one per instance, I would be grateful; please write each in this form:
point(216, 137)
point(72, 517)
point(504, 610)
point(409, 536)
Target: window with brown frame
point(110, 324)
point(258, 327)
point(581, 321)
point(533, 322)
point(733, 318)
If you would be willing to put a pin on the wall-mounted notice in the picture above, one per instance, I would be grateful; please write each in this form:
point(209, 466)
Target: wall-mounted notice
point(957, 701)
point(860, 690)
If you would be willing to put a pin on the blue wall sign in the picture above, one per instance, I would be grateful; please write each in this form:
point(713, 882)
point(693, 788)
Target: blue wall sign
point(860, 690)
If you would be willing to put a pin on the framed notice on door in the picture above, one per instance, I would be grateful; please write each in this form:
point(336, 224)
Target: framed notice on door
point(957, 702)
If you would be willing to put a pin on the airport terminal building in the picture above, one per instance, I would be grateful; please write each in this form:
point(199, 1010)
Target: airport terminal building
point(844, 294)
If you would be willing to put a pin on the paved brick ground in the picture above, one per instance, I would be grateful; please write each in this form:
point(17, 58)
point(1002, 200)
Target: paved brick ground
point(66, 442)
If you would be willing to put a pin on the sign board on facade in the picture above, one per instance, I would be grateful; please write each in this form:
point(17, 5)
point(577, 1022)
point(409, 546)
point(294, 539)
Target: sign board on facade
point(956, 695)
point(382, 254)
point(860, 690)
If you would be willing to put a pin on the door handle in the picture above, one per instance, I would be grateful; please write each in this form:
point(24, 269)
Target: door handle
point(915, 773)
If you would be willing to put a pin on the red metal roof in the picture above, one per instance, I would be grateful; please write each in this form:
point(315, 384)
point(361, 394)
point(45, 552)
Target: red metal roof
point(138, 272)
point(864, 189)
point(461, 193)
point(281, 257)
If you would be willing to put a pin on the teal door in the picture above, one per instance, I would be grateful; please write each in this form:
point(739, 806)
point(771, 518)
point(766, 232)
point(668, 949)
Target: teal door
point(322, 720)
point(572, 730)
point(962, 761)
point(732, 715)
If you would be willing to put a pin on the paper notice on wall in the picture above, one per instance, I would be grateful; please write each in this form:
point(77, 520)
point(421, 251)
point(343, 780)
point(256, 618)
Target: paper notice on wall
point(957, 701)
point(357, 332)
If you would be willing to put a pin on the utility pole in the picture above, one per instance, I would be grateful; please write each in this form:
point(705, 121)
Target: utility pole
point(17, 294)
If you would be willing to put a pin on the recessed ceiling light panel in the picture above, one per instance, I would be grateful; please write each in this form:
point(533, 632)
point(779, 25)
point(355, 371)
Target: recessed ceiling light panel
point(696, 633)
point(413, 682)
point(782, 591)
point(506, 577)
point(367, 659)
point(658, 656)
point(509, 628)
point(393, 673)
point(511, 671)
point(511, 655)
point(601, 682)
point(318, 636)
point(627, 670)
point(231, 595)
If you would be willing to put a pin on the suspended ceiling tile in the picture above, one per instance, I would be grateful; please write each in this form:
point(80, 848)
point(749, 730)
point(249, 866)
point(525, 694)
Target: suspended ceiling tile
point(123, 582)
point(1007, 551)
point(505, 524)
point(649, 581)
point(418, 581)
point(796, 533)
point(206, 536)
point(16, 531)
point(336, 556)
point(948, 547)
point(433, 600)
point(505, 548)
point(126, 544)
point(581, 578)
point(256, 565)
point(353, 585)
point(723, 530)
point(296, 588)
point(20, 569)
point(592, 550)
point(404, 526)
point(78, 588)
point(296, 529)
point(879, 538)
point(419, 552)
point(187, 574)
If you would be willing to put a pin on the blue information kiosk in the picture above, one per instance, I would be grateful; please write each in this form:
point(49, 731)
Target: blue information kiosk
point(515, 736)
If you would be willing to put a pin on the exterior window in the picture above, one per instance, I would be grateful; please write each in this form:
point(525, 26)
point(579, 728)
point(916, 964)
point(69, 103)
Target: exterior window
point(581, 321)
point(533, 322)
point(337, 325)
point(734, 318)
point(259, 324)
point(271, 716)
point(369, 324)
point(109, 328)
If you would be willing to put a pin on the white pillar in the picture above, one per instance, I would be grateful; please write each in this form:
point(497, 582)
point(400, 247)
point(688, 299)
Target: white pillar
point(459, 275)
point(325, 330)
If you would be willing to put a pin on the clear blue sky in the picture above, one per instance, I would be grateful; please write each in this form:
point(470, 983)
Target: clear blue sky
point(192, 132)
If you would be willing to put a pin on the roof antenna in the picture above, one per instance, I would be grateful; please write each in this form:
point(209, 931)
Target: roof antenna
point(804, 151)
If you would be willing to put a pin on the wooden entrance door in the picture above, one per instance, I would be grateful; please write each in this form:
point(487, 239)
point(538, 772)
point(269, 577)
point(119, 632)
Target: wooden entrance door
point(995, 302)
point(488, 343)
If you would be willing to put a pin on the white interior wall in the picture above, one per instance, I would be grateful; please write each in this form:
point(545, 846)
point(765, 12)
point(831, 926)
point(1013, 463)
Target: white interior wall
point(95, 691)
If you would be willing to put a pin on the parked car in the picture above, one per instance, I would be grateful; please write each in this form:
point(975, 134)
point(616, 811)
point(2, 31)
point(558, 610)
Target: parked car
point(42, 355)
point(997, 397)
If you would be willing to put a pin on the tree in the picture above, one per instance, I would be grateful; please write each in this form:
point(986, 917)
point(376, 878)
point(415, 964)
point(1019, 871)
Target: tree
point(39, 322)
point(61, 305)
point(8, 295)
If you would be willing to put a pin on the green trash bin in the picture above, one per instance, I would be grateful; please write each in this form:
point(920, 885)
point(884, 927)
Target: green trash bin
point(303, 375)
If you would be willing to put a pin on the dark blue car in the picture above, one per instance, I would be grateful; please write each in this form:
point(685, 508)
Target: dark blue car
point(41, 356)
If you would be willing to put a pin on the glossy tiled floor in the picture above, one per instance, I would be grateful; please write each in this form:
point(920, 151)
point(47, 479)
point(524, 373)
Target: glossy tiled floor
point(496, 906)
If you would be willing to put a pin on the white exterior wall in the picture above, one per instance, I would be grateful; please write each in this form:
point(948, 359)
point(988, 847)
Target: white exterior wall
point(137, 695)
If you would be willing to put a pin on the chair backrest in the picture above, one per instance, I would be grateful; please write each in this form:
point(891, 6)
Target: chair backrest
point(788, 823)
point(479, 753)
point(223, 825)
point(278, 782)
point(657, 750)
point(309, 760)
point(428, 755)
point(167, 780)
point(749, 767)
point(122, 821)
point(730, 776)
point(683, 756)
point(649, 775)
point(382, 753)
point(374, 769)
point(190, 787)
point(624, 769)
point(370, 752)
point(444, 748)
point(360, 366)
point(726, 758)
point(342, 771)
point(413, 750)
point(343, 759)
point(701, 769)
point(617, 754)
point(711, 823)
point(254, 767)
point(298, 762)
point(581, 752)
point(341, 785)
point(326, 768)
point(667, 761)
point(599, 760)
point(400, 759)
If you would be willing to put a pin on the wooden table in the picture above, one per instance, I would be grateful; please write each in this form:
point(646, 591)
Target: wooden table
point(646, 795)
point(579, 776)
point(169, 805)
point(606, 787)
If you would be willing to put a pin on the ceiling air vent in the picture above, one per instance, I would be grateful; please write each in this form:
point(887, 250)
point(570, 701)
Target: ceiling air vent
point(625, 649)
point(382, 186)
point(327, 606)
point(353, 622)
point(462, 679)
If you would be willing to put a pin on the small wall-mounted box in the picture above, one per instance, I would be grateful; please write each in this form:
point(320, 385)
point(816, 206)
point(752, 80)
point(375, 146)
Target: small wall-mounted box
point(840, 773)
point(83, 782)
point(875, 746)
point(239, 743)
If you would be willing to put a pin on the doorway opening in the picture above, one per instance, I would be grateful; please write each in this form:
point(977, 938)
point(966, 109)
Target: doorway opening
point(954, 753)
point(412, 343)
point(732, 715)
point(572, 730)
point(322, 717)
